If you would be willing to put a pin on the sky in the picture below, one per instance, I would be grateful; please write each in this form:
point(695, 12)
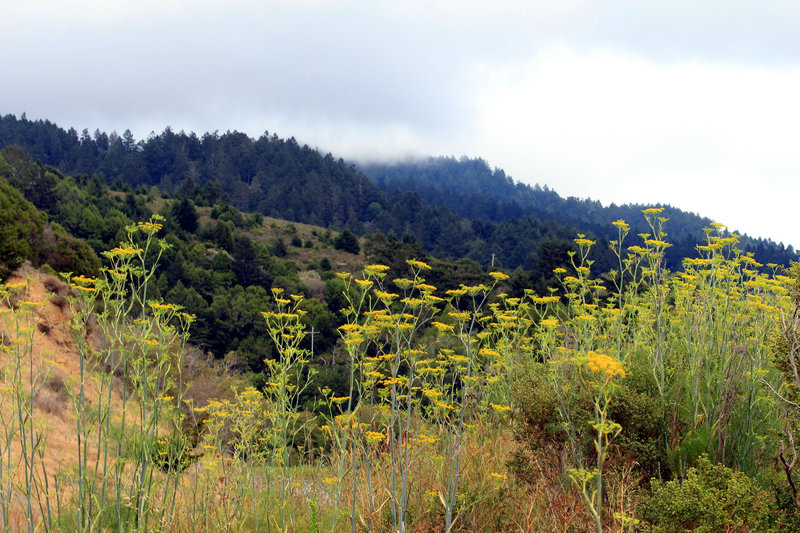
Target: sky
point(688, 103)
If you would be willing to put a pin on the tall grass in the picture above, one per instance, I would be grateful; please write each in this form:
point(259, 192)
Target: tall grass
point(465, 410)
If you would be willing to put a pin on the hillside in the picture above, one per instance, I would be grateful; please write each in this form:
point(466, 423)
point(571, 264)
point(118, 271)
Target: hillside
point(112, 422)
point(470, 188)
point(46, 348)
point(213, 369)
point(453, 208)
point(220, 264)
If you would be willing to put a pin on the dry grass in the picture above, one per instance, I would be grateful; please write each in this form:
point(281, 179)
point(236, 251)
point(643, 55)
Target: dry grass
point(544, 501)
point(55, 359)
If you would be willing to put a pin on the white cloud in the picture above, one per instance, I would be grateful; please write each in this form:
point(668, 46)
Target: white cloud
point(715, 139)
point(624, 101)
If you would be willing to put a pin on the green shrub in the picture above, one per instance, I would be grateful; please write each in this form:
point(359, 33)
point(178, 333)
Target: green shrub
point(712, 498)
point(20, 225)
point(639, 410)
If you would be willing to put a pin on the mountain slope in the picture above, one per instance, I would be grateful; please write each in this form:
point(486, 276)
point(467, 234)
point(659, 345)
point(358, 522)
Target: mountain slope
point(470, 187)
point(454, 208)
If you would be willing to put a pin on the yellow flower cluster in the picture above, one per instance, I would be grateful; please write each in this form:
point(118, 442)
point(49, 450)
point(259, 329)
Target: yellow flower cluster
point(418, 264)
point(149, 227)
point(125, 251)
point(156, 306)
point(374, 436)
point(375, 270)
point(426, 439)
point(441, 326)
point(621, 224)
point(385, 295)
point(599, 362)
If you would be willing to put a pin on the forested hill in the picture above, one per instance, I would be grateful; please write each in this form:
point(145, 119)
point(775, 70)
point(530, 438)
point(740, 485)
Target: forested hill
point(271, 175)
point(454, 208)
point(283, 179)
point(470, 188)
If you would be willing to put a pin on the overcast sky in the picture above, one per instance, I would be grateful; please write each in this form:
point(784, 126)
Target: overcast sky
point(689, 103)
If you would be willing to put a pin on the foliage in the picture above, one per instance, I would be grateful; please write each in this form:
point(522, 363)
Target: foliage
point(347, 242)
point(20, 226)
point(786, 357)
point(711, 498)
point(472, 189)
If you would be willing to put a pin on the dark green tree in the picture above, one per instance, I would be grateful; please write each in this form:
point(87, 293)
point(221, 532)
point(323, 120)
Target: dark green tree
point(185, 215)
point(347, 242)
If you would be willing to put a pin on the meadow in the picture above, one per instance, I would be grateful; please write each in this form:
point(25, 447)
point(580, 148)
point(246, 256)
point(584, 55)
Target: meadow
point(639, 399)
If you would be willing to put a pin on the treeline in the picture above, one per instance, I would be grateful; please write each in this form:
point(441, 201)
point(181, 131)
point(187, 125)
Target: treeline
point(437, 200)
point(283, 179)
point(470, 188)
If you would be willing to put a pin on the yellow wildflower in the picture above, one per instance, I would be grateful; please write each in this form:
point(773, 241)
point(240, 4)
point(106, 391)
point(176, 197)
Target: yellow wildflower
point(364, 283)
point(412, 302)
point(375, 270)
point(621, 224)
point(418, 264)
point(374, 436)
point(603, 363)
point(404, 283)
point(84, 280)
point(84, 289)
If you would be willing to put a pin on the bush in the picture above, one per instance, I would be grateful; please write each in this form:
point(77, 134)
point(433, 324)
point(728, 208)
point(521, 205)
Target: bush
point(52, 396)
point(20, 226)
point(540, 425)
point(347, 242)
point(711, 498)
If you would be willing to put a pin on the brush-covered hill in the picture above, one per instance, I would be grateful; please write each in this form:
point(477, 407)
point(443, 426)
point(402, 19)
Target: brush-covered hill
point(220, 263)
